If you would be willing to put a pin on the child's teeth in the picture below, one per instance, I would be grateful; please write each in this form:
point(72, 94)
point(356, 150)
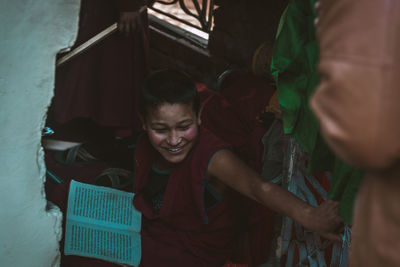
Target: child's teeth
point(174, 149)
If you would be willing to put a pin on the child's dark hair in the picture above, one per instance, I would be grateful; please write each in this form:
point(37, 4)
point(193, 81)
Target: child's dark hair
point(168, 86)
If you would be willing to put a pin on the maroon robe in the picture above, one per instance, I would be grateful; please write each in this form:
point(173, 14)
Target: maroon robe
point(184, 233)
point(103, 83)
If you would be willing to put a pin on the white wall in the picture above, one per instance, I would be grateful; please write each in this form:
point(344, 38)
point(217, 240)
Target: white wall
point(31, 33)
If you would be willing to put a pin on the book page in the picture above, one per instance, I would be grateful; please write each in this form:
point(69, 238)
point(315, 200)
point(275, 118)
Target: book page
point(102, 223)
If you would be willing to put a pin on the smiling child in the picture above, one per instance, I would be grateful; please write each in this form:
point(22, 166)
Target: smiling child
point(188, 181)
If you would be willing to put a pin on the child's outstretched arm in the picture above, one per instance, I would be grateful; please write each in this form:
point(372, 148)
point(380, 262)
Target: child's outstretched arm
point(230, 170)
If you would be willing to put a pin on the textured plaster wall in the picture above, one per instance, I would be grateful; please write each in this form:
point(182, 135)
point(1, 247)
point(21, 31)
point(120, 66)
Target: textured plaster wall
point(31, 33)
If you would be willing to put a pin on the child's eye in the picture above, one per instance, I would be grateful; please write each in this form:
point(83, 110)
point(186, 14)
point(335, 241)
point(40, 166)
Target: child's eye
point(160, 130)
point(183, 128)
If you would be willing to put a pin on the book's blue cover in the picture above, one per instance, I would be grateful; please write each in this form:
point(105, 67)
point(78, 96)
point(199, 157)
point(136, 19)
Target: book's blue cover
point(102, 223)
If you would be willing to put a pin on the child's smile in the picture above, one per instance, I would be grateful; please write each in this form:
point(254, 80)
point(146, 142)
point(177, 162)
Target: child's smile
point(172, 130)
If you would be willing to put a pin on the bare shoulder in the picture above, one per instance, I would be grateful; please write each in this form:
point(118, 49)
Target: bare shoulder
point(222, 161)
point(231, 170)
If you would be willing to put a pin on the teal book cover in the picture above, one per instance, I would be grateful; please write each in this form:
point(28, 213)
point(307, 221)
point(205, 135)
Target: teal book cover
point(102, 223)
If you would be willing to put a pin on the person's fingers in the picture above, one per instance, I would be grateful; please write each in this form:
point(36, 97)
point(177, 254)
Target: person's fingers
point(333, 205)
point(339, 221)
point(129, 22)
point(340, 229)
point(332, 202)
point(328, 202)
point(134, 23)
point(333, 237)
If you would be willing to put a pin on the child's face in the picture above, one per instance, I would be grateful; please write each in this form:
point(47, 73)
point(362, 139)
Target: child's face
point(172, 130)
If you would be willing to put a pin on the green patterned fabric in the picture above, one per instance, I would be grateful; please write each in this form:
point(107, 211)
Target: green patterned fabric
point(294, 69)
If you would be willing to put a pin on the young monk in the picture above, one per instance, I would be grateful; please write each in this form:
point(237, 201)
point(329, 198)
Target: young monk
point(187, 181)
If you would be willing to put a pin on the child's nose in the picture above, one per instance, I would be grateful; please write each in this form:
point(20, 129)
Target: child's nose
point(174, 139)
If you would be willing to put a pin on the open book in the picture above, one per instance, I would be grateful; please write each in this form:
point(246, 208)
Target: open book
point(102, 223)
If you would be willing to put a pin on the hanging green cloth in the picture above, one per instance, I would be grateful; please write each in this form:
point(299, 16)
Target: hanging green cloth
point(294, 68)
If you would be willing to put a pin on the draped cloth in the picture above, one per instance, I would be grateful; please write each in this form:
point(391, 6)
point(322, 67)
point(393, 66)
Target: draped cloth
point(103, 83)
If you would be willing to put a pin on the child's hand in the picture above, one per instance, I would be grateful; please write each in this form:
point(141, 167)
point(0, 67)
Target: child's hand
point(325, 220)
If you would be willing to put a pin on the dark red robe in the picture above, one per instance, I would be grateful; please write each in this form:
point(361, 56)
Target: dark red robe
point(184, 233)
point(103, 83)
